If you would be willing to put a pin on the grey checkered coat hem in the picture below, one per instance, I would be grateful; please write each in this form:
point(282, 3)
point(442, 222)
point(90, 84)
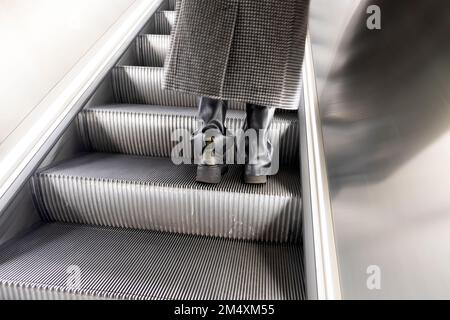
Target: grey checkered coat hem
point(240, 50)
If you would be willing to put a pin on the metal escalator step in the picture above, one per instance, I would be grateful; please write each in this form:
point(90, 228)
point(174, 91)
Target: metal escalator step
point(130, 264)
point(154, 194)
point(142, 85)
point(164, 21)
point(147, 130)
point(152, 49)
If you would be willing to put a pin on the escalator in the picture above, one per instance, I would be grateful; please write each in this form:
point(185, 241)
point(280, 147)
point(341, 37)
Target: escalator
point(137, 226)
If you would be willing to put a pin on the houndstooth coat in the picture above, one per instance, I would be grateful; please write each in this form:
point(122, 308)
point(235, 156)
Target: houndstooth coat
point(243, 50)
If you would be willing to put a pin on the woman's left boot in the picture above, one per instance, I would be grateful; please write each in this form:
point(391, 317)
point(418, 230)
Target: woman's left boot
point(259, 151)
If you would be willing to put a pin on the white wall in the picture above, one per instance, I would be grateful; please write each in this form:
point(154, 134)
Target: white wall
point(41, 40)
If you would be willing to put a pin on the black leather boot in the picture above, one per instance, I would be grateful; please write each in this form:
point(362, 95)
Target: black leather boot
point(259, 151)
point(210, 138)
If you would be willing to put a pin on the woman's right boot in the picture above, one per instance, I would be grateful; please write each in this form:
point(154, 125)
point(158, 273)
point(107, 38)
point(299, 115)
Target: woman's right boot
point(259, 149)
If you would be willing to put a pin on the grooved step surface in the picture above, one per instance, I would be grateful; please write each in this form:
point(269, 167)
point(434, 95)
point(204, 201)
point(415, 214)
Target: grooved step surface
point(172, 4)
point(130, 264)
point(147, 130)
point(164, 21)
point(142, 85)
point(153, 193)
point(152, 49)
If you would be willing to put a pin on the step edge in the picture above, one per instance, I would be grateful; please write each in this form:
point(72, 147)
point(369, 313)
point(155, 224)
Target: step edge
point(49, 175)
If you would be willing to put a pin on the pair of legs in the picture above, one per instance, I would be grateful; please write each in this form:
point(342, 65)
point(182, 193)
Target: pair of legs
point(213, 133)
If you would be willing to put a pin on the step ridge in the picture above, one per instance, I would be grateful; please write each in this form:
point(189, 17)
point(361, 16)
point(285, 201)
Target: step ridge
point(131, 264)
point(154, 194)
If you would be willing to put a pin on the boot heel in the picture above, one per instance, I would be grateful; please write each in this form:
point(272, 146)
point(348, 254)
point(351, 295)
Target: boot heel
point(255, 179)
point(210, 174)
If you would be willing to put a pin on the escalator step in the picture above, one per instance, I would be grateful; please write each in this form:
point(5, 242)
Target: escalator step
point(152, 49)
point(146, 130)
point(142, 85)
point(128, 264)
point(164, 21)
point(153, 193)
